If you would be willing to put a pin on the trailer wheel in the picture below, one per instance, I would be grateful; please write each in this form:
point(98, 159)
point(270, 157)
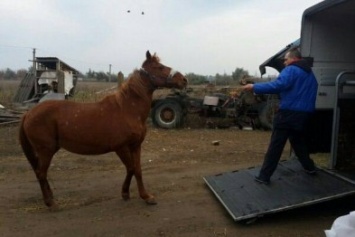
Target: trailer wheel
point(266, 116)
point(167, 115)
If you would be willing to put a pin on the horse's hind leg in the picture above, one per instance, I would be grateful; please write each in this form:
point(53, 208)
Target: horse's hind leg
point(41, 174)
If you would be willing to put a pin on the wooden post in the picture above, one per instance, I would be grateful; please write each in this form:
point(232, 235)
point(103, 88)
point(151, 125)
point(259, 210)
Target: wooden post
point(34, 70)
point(120, 79)
point(109, 76)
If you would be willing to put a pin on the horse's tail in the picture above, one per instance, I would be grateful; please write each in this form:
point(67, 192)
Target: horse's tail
point(26, 146)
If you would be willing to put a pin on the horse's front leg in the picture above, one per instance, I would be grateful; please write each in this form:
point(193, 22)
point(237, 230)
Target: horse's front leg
point(125, 157)
point(130, 157)
point(136, 157)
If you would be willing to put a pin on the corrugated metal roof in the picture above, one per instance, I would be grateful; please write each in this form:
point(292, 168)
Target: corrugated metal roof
point(51, 63)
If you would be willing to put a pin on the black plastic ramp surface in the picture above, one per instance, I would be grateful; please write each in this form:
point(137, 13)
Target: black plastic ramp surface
point(290, 188)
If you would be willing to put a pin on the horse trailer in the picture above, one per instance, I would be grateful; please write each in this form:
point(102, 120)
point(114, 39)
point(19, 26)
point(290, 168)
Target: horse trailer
point(327, 42)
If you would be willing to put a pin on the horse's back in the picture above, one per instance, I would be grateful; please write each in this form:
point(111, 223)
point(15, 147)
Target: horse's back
point(62, 110)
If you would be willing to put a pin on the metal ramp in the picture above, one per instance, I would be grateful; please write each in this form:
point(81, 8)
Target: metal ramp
point(26, 88)
point(290, 188)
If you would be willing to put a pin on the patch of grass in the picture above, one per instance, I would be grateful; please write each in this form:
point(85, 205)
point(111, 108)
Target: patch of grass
point(92, 91)
point(8, 90)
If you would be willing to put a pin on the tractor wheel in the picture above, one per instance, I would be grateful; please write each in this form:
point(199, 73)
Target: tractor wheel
point(266, 116)
point(167, 115)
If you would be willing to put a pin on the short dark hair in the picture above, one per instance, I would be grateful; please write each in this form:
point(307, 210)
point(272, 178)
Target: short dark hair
point(294, 53)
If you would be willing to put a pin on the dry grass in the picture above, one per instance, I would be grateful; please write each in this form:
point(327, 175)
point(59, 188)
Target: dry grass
point(7, 92)
point(95, 91)
point(85, 91)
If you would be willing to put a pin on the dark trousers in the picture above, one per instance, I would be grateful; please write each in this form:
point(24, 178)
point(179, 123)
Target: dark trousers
point(287, 125)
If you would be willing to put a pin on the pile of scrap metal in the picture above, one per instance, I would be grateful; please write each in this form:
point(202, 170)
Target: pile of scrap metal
point(9, 116)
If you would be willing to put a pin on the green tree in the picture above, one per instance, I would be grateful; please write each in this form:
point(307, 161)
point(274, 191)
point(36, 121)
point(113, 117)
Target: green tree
point(21, 73)
point(90, 74)
point(101, 76)
point(223, 79)
point(238, 74)
point(9, 74)
point(195, 79)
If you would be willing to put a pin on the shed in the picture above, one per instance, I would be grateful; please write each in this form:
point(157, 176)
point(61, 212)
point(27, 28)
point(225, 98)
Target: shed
point(50, 77)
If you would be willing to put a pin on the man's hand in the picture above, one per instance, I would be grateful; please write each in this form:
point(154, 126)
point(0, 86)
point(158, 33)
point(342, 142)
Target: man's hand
point(248, 87)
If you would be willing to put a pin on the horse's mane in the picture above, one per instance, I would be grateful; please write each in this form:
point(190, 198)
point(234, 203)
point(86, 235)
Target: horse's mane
point(134, 84)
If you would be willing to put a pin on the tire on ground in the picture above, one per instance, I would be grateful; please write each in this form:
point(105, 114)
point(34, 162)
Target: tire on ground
point(167, 115)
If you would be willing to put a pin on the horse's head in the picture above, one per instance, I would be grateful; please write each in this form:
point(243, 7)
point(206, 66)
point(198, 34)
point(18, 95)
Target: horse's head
point(161, 75)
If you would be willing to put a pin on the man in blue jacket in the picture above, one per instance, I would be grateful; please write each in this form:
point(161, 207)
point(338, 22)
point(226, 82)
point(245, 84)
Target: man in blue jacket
point(297, 87)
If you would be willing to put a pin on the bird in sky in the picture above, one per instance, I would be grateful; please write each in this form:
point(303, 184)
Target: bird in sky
point(129, 11)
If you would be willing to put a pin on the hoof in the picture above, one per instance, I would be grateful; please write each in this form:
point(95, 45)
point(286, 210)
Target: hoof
point(49, 202)
point(54, 207)
point(125, 196)
point(151, 201)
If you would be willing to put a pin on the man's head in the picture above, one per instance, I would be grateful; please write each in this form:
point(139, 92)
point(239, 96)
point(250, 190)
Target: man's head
point(291, 56)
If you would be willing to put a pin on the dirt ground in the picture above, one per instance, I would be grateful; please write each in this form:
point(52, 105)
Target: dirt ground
point(174, 163)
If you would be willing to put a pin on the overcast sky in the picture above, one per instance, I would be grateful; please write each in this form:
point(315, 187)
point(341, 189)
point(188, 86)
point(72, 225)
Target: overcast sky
point(199, 36)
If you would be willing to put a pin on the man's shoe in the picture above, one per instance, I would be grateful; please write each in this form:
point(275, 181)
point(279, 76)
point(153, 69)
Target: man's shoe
point(262, 181)
point(311, 172)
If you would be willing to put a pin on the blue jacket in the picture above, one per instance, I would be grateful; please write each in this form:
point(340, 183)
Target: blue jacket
point(296, 85)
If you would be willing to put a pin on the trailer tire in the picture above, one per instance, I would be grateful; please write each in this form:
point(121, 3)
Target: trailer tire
point(266, 116)
point(167, 114)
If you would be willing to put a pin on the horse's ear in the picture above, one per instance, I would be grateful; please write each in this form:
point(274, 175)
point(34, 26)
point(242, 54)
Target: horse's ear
point(148, 55)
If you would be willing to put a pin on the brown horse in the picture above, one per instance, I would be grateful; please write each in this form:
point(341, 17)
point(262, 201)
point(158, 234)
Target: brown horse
point(115, 124)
